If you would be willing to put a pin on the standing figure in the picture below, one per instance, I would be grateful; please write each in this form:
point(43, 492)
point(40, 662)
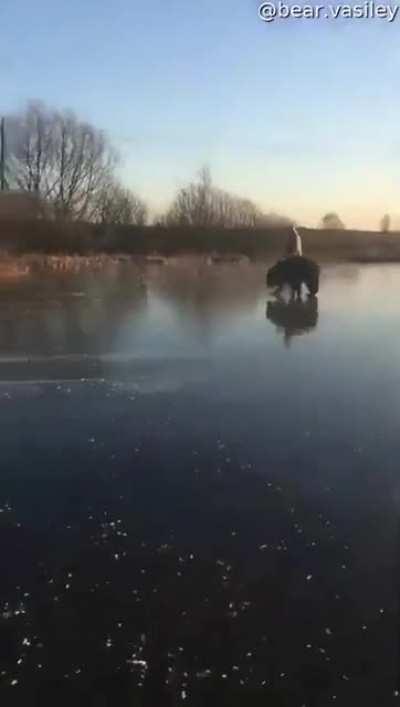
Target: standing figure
point(294, 245)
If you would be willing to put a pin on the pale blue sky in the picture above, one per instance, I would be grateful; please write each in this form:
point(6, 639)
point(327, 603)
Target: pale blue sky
point(301, 116)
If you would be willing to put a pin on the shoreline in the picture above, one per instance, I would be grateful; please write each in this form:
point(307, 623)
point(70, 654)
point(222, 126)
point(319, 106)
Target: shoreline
point(49, 239)
point(19, 265)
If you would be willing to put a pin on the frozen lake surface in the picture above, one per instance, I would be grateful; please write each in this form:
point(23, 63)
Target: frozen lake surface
point(199, 488)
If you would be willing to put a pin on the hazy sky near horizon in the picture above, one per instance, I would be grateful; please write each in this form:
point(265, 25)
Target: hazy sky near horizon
point(302, 116)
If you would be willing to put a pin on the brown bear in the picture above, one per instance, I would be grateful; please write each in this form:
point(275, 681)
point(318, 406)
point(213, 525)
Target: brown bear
point(294, 271)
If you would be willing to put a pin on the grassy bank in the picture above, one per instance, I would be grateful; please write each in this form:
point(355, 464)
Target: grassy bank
point(82, 238)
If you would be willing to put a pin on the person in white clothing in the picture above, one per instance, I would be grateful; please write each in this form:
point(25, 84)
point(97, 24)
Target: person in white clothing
point(294, 246)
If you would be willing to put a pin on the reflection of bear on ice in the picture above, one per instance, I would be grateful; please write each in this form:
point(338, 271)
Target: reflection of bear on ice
point(293, 318)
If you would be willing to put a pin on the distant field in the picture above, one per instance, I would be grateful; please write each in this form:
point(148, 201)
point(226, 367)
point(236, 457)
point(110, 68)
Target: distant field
point(359, 246)
point(83, 238)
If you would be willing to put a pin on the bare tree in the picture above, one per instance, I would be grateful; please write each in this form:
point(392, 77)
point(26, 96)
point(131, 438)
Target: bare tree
point(193, 204)
point(31, 146)
point(235, 212)
point(274, 220)
point(116, 205)
point(60, 158)
point(203, 205)
point(385, 224)
point(331, 221)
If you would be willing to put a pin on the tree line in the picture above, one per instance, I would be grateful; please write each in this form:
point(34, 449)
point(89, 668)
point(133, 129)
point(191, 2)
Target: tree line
point(71, 167)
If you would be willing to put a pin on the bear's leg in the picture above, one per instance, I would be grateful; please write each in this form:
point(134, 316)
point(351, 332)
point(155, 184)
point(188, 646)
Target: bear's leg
point(297, 290)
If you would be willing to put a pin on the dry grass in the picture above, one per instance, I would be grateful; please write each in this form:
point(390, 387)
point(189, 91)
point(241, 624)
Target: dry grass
point(55, 239)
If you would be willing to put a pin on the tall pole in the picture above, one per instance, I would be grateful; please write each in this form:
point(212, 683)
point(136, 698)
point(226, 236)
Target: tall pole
point(3, 155)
